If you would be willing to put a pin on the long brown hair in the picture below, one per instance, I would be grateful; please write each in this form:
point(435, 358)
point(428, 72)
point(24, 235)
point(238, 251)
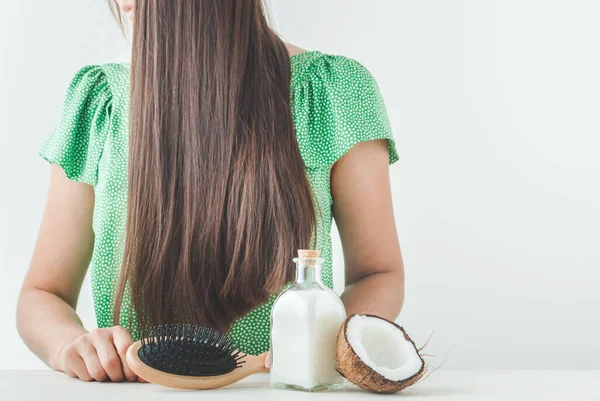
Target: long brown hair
point(218, 197)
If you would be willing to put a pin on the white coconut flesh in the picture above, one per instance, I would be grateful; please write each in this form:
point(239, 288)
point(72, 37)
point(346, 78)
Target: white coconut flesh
point(383, 347)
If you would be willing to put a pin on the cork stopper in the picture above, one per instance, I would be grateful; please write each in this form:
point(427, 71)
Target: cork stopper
point(311, 257)
point(308, 253)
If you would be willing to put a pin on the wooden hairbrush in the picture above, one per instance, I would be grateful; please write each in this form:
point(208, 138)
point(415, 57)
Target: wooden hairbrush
point(191, 357)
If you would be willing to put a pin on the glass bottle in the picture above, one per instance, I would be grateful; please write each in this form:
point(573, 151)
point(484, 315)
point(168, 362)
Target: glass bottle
point(305, 321)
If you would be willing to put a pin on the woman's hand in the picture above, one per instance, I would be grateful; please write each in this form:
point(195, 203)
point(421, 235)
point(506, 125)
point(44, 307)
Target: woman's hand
point(98, 355)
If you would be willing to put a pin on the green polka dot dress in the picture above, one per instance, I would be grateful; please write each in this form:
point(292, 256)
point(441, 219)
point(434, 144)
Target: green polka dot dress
point(336, 103)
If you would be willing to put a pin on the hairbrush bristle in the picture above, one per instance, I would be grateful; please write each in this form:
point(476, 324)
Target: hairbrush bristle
point(189, 350)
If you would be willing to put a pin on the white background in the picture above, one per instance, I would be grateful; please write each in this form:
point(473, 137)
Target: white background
point(495, 107)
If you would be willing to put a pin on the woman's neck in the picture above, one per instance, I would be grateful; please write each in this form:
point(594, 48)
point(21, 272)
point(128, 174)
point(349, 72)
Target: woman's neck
point(293, 50)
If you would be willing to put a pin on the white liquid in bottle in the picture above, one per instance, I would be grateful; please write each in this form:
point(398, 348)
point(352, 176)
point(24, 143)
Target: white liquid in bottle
point(305, 321)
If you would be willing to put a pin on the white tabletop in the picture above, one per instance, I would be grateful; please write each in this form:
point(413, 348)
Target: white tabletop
point(481, 385)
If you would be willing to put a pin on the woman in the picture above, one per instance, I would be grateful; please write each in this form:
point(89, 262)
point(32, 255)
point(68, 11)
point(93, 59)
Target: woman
point(188, 179)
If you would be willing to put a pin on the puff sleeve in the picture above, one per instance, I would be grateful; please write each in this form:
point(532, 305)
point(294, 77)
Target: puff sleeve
point(78, 139)
point(338, 104)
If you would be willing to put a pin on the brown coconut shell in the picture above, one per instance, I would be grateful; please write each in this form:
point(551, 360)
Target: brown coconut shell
point(357, 372)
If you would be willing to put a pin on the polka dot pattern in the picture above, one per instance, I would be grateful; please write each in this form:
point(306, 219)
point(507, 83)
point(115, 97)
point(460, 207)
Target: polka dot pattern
point(336, 103)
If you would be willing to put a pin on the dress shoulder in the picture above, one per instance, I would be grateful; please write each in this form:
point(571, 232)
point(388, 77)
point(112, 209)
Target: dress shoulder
point(77, 141)
point(337, 103)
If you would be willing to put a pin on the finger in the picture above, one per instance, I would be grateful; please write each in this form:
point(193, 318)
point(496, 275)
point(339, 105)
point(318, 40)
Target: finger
point(73, 365)
point(77, 365)
point(139, 379)
point(109, 359)
point(92, 363)
point(122, 340)
point(268, 360)
point(69, 371)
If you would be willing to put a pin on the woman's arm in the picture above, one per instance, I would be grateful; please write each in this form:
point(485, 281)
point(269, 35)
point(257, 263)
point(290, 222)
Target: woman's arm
point(46, 317)
point(363, 212)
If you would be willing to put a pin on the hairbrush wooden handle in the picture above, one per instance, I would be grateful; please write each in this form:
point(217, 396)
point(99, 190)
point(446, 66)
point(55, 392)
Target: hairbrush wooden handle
point(253, 364)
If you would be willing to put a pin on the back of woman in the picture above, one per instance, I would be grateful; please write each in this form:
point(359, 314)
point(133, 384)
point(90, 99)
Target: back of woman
point(197, 170)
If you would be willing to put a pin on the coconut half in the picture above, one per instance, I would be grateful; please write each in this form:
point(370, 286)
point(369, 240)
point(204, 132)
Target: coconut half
point(377, 355)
